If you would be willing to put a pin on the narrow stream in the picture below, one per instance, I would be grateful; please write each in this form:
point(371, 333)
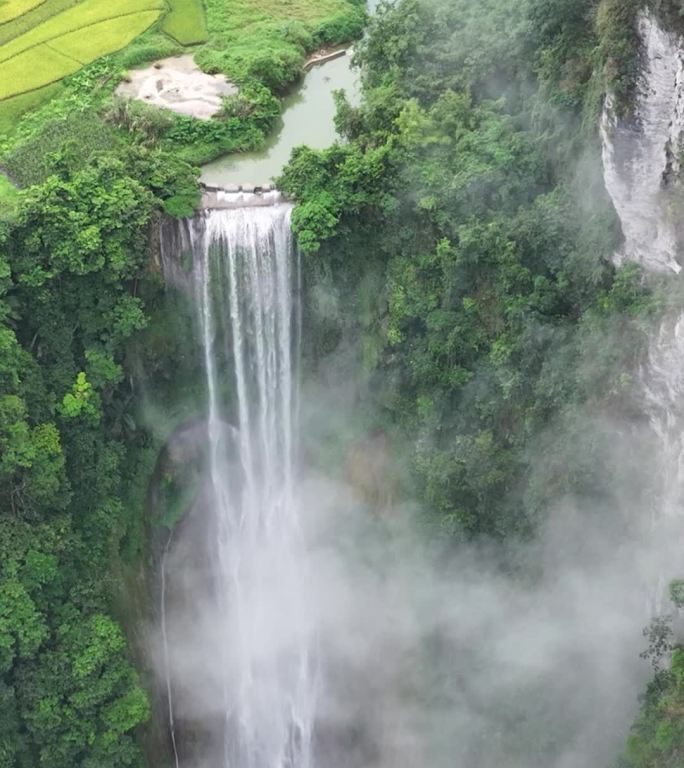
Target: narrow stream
point(307, 118)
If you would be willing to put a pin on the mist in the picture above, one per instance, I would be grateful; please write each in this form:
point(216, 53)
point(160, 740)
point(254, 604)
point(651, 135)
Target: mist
point(477, 655)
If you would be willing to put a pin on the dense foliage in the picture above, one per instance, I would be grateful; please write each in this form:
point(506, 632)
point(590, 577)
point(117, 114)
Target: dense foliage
point(493, 287)
point(70, 262)
point(657, 738)
point(463, 223)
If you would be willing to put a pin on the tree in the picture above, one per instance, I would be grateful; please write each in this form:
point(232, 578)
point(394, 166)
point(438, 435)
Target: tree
point(81, 699)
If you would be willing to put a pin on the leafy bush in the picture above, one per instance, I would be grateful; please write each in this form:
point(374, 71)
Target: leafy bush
point(340, 28)
point(255, 103)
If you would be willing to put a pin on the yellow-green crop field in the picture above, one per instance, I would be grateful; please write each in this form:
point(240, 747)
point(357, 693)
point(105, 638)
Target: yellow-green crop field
point(10, 9)
point(60, 44)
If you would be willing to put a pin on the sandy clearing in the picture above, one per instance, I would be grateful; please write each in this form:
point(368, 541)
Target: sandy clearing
point(178, 84)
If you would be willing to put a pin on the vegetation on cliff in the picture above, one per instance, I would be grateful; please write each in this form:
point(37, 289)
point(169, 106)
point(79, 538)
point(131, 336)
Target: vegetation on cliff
point(69, 264)
point(494, 288)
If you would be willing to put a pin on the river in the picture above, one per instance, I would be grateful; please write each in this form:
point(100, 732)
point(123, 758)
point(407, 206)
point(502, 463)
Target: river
point(307, 118)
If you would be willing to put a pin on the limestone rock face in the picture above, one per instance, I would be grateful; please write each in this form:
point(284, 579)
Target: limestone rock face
point(641, 151)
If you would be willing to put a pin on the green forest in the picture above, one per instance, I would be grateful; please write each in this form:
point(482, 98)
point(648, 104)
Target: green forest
point(456, 244)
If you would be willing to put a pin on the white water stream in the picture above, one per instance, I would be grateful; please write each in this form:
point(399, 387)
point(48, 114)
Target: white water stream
point(245, 280)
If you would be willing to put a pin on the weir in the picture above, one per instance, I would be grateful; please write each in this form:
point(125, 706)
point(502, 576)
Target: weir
point(239, 196)
point(244, 279)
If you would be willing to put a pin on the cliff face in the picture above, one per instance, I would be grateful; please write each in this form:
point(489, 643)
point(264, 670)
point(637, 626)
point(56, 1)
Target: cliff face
point(641, 151)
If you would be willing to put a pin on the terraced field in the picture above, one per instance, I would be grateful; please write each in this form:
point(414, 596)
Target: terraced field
point(10, 9)
point(42, 42)
point(59, 43)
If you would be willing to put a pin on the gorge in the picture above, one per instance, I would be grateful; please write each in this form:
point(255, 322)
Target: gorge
point(376, 462)
point(277, 694)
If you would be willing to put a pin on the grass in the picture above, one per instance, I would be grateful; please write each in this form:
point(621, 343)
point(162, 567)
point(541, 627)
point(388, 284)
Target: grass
point(295, 20)
point(8, 198)
point(234, 15)
point(185, 22)
point(77, 136)
point(10, 9)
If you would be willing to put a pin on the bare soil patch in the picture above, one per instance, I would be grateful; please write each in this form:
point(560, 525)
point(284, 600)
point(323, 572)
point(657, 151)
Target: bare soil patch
point(178, 84)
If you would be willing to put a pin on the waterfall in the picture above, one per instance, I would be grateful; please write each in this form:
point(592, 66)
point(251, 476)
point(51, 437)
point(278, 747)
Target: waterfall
point(641, 151)
point(244, 276)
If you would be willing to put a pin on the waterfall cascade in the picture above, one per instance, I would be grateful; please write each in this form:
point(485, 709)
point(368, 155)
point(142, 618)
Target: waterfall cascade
point(245, 277)
point(641, 152)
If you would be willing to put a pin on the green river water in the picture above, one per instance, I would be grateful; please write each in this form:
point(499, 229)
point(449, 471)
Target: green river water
point(307, 118)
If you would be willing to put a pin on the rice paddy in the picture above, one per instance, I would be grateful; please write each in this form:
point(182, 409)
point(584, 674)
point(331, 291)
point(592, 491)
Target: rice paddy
point(60, 43)
point(33, 18)
point(10, 9)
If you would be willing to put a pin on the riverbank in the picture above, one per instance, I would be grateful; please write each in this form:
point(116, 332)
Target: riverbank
point(261, 47)
point(308, 117)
